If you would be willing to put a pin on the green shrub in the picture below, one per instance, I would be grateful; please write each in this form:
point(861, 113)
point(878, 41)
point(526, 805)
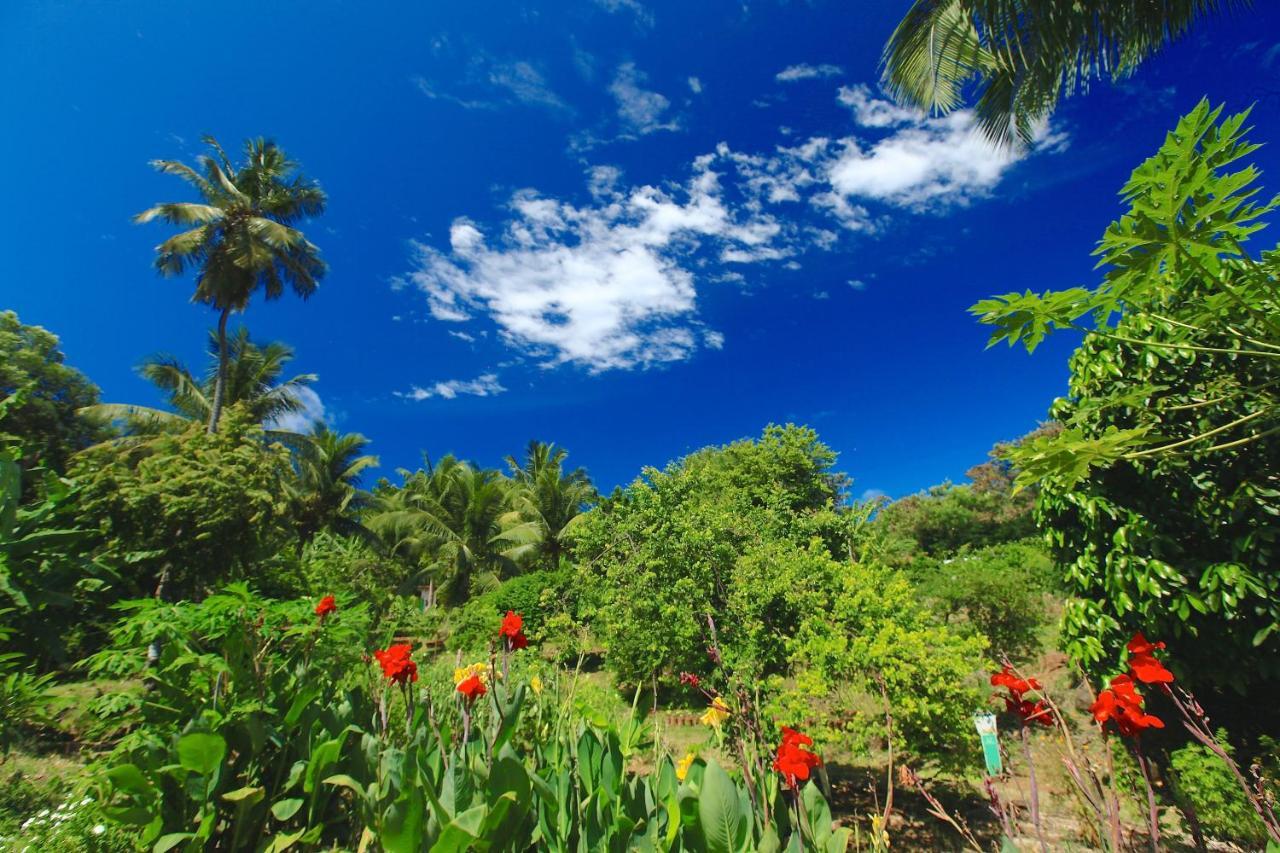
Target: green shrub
point(1220, 805)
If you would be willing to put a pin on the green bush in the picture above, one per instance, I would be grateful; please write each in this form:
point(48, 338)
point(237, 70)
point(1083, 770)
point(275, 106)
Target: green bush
point(1220, 805)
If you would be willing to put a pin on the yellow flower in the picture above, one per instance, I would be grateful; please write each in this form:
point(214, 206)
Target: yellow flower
point(717, 713)
point(682, 769)
point(536, 684)
point(463, 673)
point(877, 827)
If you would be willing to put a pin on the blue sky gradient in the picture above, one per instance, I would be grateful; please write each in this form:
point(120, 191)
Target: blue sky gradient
point(633, 228)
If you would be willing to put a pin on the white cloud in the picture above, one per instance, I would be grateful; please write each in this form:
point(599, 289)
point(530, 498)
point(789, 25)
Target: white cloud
point(807, 72)
point(898, 158)
point(311, 413)
point(640, 110)
point(695, 85)
point(874, 495)
point(486, 385)
point(604, 286)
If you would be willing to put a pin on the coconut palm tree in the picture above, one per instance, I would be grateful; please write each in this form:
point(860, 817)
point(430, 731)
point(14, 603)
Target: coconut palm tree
point(550, 497)
point(327, 492)
point(241, 236)
point(251, 377)
point(1025, 54)
point(455, 522)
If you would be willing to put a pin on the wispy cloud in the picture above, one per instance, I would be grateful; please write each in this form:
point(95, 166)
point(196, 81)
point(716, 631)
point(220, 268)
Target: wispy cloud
point(643, 17)
point(486, 385)
point(641, 111)
point(489, 84)
point(794, 73)
point(613, 283)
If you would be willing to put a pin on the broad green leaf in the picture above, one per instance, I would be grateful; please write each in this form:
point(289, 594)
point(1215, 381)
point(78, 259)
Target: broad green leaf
point(718, 811)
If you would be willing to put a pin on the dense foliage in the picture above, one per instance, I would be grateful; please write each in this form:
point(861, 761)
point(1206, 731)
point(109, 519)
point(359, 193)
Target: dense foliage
point(1159, 495)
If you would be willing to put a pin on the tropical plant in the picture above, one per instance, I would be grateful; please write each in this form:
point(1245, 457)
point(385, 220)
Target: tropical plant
point(251, 704)
point(252, 380)
point(327, 490)
point(51, 588)
point(1026, 54)
point(550, 497)
point(43, 396)
point(244, 236)
point(1158, 496)
point(454, 522)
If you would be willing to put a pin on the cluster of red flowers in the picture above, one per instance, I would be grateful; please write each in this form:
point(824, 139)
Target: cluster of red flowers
point(396, 664)
point(1016, 702)
point(471, 688)
point(690, 679)
point(1121, 703)
point(326, 606)
point(513, 631)
point(793, 761)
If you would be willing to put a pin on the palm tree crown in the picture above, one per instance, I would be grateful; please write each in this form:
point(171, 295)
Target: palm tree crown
point(252, 378)
point(327, 493)
point(549, 497)
point(1025, 54)
point(240, 235)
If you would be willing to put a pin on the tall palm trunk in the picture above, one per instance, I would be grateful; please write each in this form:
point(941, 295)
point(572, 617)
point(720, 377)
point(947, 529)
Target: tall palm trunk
point(220, 384)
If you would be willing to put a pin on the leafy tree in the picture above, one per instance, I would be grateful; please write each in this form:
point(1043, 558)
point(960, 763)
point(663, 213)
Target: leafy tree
point(550, 497)
point(1025, 54)
point(253, 374)
point(327, 490)
point(1000, 590)
point(244, 237)
point(45, 396)
point(660, 557)
point(454, 521)
point(192, 508)
point(1159, 495)
point(857, 627)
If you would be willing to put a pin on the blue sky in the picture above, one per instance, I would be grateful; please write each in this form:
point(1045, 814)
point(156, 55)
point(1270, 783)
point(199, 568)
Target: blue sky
point(633, 228)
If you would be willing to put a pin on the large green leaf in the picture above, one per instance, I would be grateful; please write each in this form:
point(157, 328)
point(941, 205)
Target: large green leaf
point(201, 752)
point(719, 812)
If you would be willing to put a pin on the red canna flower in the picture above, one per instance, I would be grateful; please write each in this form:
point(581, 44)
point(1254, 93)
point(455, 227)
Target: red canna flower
point(1139, 645)
point(513, 631)
point(1122, 704)
point(326, 606)
point(1030, 712)
point(1143, 664)
point(471, 688)
point(396, 664)
point(512, 624)
point(1017, 686)
point(793, 761)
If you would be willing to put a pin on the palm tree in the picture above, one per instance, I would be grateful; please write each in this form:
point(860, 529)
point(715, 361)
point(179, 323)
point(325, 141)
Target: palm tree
point(327, 492)
point(453, 520)
point(251, 377)
point(243, 237)
point(549, 497)
point(1025, 54)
